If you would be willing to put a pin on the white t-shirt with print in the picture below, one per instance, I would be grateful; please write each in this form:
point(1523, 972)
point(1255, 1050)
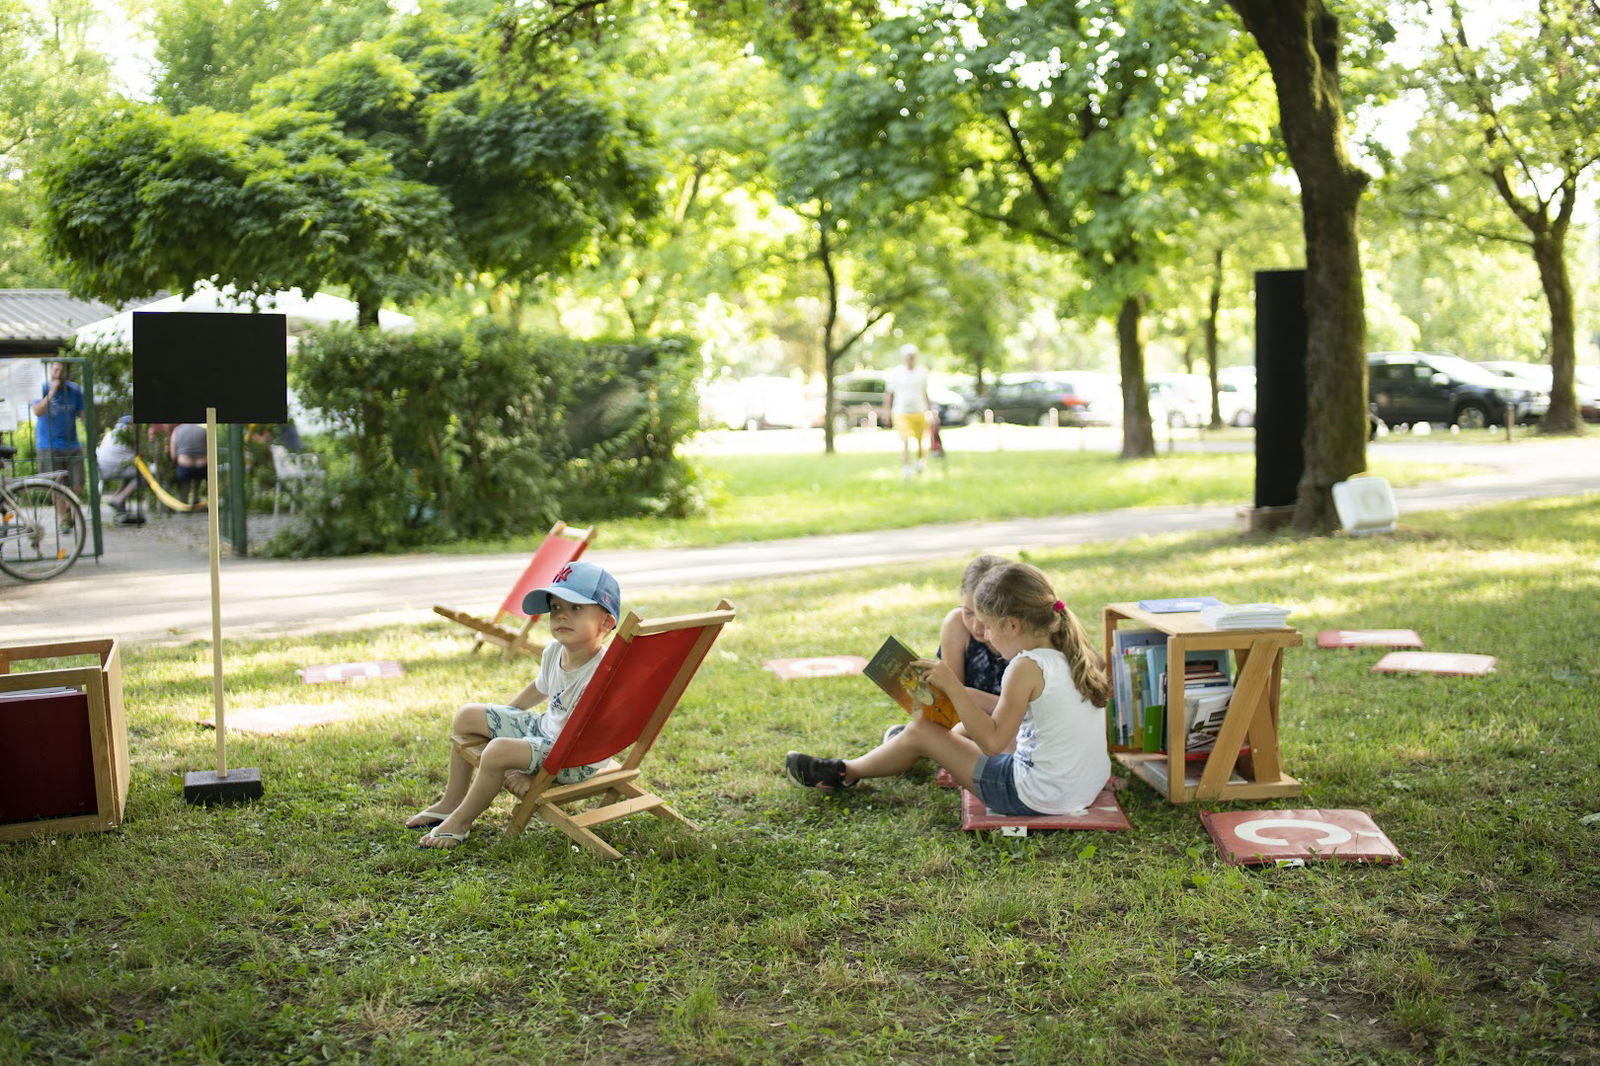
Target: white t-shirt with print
point(562, 688)
point(1061, 762)
point(909, 388)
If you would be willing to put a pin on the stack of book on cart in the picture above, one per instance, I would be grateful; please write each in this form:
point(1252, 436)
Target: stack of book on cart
point(1245, 616)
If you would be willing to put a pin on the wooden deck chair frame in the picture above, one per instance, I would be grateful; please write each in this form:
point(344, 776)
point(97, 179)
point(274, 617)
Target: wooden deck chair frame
point(625, 706)
point(562, 545)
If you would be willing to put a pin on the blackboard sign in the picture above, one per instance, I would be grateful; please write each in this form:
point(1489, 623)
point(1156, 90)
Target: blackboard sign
point(187, 361)
point(1281, 338)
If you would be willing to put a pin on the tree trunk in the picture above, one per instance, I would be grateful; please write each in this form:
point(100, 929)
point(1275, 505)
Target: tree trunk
point(829, 356)
point(1548, 236)
point(1213, 309)
point(1549, 251)
point(1300, 39)
point(979, 359)
point(1138, 440)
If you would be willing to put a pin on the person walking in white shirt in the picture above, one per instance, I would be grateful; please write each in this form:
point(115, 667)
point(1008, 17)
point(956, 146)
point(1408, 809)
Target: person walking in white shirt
point(905, 401)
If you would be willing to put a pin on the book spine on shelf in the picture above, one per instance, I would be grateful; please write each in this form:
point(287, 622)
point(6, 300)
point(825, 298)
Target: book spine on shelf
point(1155, 728)
point(1128, 709)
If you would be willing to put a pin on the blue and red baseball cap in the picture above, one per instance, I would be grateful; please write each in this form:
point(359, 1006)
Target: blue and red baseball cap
point(578, 582)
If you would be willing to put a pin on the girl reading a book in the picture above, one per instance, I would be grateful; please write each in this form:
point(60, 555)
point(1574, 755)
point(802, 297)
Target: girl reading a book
point(1051, 704)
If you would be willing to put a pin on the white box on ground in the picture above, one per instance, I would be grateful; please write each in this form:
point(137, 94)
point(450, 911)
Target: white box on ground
point(1365, 505)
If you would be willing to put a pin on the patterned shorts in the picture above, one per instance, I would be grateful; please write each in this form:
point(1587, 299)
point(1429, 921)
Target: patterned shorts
point(516, 724)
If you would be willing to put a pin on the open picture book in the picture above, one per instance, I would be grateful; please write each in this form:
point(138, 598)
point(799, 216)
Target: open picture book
point(891, 669)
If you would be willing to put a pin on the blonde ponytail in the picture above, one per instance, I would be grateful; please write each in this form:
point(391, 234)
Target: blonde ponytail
point(1088, 667)
point(1021, 591)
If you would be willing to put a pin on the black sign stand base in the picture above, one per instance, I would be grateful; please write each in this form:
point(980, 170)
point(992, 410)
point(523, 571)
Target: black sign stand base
point(204, 788)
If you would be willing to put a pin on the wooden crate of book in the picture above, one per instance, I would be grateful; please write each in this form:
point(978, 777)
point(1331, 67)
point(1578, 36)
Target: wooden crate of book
point(63, 740)
point(1216, 718)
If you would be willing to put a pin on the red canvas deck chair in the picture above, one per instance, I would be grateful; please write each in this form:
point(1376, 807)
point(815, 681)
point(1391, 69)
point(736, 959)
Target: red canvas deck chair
point(561, 546)
point(635, 688)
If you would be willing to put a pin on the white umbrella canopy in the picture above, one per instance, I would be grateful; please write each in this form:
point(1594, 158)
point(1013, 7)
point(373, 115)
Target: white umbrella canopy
point(303, 312)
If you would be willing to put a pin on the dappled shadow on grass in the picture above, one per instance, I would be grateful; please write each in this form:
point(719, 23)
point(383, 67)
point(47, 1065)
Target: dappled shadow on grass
point(867, 926)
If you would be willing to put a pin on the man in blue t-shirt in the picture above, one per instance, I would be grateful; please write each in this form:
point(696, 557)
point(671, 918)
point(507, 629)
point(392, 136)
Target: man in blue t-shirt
point(55, 430)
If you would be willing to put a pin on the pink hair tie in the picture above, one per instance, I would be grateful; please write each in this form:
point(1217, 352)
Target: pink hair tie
point(1061, 608)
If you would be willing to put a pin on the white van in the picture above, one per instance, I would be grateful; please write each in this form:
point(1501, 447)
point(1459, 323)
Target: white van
point(760, 402)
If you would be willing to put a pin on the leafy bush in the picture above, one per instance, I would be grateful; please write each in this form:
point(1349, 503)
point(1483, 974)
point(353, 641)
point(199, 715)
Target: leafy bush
point(482, 432)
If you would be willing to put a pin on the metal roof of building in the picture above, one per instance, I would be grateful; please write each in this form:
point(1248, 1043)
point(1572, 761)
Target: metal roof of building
point(46, 316)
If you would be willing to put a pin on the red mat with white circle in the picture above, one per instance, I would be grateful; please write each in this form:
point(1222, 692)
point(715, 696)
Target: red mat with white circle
point(1296, 837)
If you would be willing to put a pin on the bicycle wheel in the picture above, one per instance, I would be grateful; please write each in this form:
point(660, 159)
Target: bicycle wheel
point(42, 531)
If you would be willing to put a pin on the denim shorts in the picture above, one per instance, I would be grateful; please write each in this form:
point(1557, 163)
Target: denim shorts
point(514, 723)
point(997, 785)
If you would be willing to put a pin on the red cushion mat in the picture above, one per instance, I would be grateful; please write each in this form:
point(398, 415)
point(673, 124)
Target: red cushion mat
point(1368, 638)
point(1267, 837)
point(1104, 813)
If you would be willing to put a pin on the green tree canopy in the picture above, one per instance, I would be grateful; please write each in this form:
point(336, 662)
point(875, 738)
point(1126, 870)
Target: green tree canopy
point(535, 172)
point(384, 167)
point(213, 53)
point(1094, 130)
point(49, 72)
point(140, 201)
point(1515, 118)
point(715, 113)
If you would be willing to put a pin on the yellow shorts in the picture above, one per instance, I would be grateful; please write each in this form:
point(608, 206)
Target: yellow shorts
point(911, 426)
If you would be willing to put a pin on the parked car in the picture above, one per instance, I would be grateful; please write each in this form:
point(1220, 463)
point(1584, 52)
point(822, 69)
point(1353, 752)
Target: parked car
point(951, 405)
point(1588, 377)
point(1539, 376)
point(1439, 388)
point(858, 401)
point(1182, 401)
point(1078, 398)
point(1236, 395)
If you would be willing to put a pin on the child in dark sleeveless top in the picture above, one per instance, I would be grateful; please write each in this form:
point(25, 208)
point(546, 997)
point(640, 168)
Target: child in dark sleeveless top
point(962, 641)
point(961, 644)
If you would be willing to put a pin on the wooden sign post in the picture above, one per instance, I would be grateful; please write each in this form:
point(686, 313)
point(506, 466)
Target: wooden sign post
point(224, 367)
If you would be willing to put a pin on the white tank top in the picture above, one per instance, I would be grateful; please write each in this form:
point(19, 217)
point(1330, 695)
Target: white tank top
point(1061, 762)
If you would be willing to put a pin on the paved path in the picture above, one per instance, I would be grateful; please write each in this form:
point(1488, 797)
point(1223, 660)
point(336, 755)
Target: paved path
point(151, 588)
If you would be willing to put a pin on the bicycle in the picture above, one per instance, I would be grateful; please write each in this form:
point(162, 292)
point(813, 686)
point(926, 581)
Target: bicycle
point(42, 523)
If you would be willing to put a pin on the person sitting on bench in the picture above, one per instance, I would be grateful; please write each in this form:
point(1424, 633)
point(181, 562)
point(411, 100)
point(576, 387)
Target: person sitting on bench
point(114, 456)
point(187, 446)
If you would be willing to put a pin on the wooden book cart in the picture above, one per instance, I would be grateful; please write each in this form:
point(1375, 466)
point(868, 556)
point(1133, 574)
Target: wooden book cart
point(626, 704)
point(63, 741)
point(1229, 771)
point(562, 545)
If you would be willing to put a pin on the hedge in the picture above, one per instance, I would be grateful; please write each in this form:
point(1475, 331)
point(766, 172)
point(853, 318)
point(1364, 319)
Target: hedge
point(484, 432)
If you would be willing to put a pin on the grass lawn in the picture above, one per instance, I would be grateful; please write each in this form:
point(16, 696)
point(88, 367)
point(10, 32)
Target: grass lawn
point(864, 928)
point(765, 497)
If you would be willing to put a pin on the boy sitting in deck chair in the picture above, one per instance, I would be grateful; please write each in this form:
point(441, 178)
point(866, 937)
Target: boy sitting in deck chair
point(583, 603)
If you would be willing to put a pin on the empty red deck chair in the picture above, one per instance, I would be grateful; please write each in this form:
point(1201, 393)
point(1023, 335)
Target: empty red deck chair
point(635, 688)
point(561, 546)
